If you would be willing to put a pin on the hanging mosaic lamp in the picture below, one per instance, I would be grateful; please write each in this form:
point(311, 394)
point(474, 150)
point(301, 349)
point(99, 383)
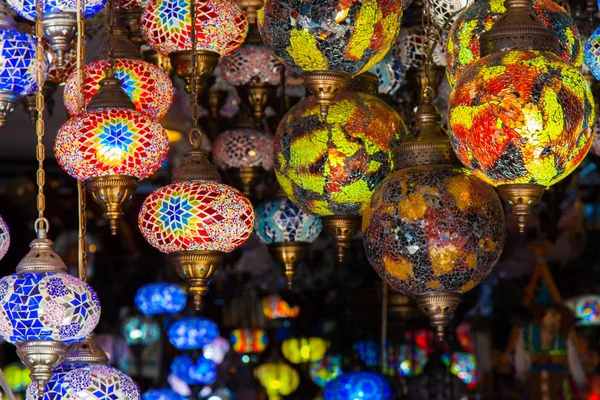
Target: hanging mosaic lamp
point(444, 12)
point(358, 386)
point(196, 219)
point(391, 73)
point(4, 238)
point(221, 27)
point(254, 71)
point(278, 379)
point(111, 147)
point(432, 231)
point(330, 168)
point(201, 371)
point(251, 8)
point(274, 307)
point(245, 155)
point(192, 333)
point(521, 118)
point(592, 53)
point(463, 48)
point(142, 331)
point(304, 350)
point(44, 309)
point(162, 394)
point(160, 299)
point(216, 350)
point(249, 341)
point(59, 19)
point(85, 375)
point(586, 309)
point(17, 57)
point(307, 37)
point(147, 86)
point(326, 369)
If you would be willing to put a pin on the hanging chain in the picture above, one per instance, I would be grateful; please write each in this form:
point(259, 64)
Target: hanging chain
point(195, 136)
point(41, 223)
point(110, 40)
point(81, 194)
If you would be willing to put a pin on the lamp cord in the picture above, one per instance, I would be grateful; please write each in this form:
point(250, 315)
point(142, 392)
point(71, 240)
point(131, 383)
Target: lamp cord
point(195, 137)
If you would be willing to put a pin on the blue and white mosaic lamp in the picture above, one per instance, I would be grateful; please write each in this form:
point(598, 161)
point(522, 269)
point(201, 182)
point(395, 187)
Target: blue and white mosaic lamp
point(287, 231)
point(358, 386)
point(160, 298)
point(198, 371)
point(162, 394)
point(192, 333)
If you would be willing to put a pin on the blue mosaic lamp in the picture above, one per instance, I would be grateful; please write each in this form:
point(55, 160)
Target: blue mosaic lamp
point(17, 58)
point(202, 371)
point(59, 18)
point(160, 298)
point(44, 309)
point(391, 73)
point(85, 375)
point(591, 56)
point(287, 231)
point(358, 386)
point(162, 394)
point(141, 331)
point(192, 333)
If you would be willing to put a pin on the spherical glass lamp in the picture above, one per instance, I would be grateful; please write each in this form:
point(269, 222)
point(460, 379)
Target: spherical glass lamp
point(326, 369)
point(592, 53)
point(411, 360)
point(586, 309)
point(216, 350)
point(249, 341)
point(162, 394)
point(462, 46)
point(304, 350)
point(329, 169)
point(444, 12)
point(278, 379)
point(160, 298)
point(391, 73)
point(192, 333)
point(358, 386)
point(201, 371)
point(274, 307)
point(4, 238)
point(139, 330)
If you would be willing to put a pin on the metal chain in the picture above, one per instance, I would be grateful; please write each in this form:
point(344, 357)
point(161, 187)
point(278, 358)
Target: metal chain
point(110, 40)
point(41, 223)
point(195, 136)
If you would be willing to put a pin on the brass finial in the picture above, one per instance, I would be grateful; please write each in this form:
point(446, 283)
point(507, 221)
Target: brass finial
point(521, 198)
point(251, 7)
point(290, 255)
point(41, 357)
point(439, 307)
point(342, 229)
point(111, 192)
point(196, 166)
point(206, 61)
point(41, 257)
point(325, 86)
point(196, 267)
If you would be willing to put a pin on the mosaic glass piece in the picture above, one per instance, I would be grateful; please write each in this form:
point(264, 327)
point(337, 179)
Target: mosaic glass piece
point(592, 53)
point(201, 371)
point(326, 369)
point(462, 46)
point(26, 8)
point(251, 64)
point(391, 74)
point(148, 86)
point(160, 298)
point(444, 12)
point(17, 58)
point(196, 215)
point(4, 238)
point(111, 141)
point(274, 307)
point(216, 350)
point(249, 341)
point(433, 228)
point(90, 382)
point(280, 220)
point(139, 330)
point(358, 386)
point(332, 168)
point(192, 333)
point(278, 379)
point(221, 26)
point(46, 306)
point(162, 394)
point(346, 36)
point(521, 117)
point(58, 74)
point(304, 350)
point(239, 148)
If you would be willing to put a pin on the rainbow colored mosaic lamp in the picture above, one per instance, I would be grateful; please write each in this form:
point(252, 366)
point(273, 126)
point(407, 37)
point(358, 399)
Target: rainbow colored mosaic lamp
point(147, 86)
point(249, 341)
point(530, 122)
point(160, 299)
point(44, 309)
point(221, 27)
point(358, 386)
point(330, 168)
point(307, 37)
point(85, 375)
point(110, 148)
point(278, 379)
point(411, 239)
point(59, 18)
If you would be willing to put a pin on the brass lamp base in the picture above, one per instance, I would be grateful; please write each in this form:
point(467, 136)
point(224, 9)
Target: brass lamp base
point(290, 255)
point(439, 308)
point(342, 229)
point(111, 192)
point(216, 100)
point(325, 85)
point(41, 357)
point(59, 29)
point(206, 61)
point(250, 7)
point(8, 102)
point(246, 178)
point(258, 97)
point(521, 197)
point(196, 267)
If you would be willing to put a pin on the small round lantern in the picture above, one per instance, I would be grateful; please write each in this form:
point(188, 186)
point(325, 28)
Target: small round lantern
point(464, 366)
point(326, 369)
point(249, 341)
point(358, 386)
point(304, 350)
point(160, 298)
point(330, 168)
point(274, 307)
point(410, 359)
point(592, 53)
point(202, 371)
point(162, 394)
point(328, 41)
point(391, 73)
point(4, 238)
point(278, 379)
point(192, 333)
point(141, 331)
point(586, 309)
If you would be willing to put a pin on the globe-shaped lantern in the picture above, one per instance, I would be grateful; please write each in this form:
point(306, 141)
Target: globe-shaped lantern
point(59, 19)
point(249, 341)
point(592, 53)
point(329, 169)
point(147, 86)
point(245, 154)
point(432, 231)
point(329, 41)
point(162, 394)
point(160, 298)
point(201, 371)
point(444, 12)
point(192, 333)
point(586, 309)
point(462, 46)
point(4, 238)
point(221, 27)
point(464, 366)
point(142, 331)
point(304, 350)
point(17, 56)
point(274, 307)
point(196, 219)
point(411, 360)
point(111, 147)
point(278, 379)
point(391, 73)
point(326, 369)
point(358, 386)
point(216, 350)
point(44, 309)
point(17, 376)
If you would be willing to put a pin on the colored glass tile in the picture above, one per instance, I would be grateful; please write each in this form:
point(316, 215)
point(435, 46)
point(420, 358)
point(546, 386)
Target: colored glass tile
point(251, 64)
point(17, 62)
point(139, 330)
point(391, 74)
point(280, 220)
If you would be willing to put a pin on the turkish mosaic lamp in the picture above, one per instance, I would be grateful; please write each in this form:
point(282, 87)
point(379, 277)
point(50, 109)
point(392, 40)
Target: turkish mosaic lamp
point(160, 299)
point(192, 333)
point(358, 386)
